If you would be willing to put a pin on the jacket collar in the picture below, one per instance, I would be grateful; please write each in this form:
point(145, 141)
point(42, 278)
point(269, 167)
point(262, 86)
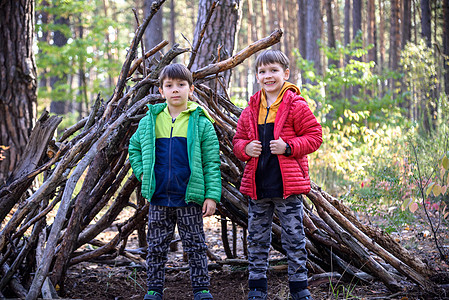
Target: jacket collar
point(155, 109)
point(289, 92)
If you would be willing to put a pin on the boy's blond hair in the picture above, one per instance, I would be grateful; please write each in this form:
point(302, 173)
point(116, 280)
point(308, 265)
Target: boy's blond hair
point(175, 71)
point(272, 57)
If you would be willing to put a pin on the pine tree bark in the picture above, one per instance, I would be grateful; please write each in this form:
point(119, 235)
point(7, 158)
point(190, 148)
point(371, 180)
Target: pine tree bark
point(219, 37)
point(427, 106)
point(406, 23)
point(18, 84)
point(153, 34)
point(302, 27)
point(395, 38)
point(446, 45)
point(172, 22)
point(58, 104)
point(381, 35)
point(406, 35)
point(372, 31)
point(425, 22)
point(331, 42)
point(347, 41)
point(313, 33)
point(356, 17)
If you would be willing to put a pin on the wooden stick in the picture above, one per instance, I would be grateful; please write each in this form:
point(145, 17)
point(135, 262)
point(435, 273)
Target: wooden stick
point(238, 58)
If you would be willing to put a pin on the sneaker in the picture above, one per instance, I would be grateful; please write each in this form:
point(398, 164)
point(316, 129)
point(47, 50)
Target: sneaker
point(152, 295)
point(203, 295)
point(257, 295)
point(302, 295)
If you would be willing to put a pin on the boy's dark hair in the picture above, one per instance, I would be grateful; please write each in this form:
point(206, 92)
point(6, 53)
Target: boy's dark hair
point(175, 71)
point(272, 57)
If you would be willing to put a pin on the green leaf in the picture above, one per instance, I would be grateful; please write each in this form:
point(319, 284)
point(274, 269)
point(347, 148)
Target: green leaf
point(437, 190)
point(429, 189)
point(406, 204)
point(445, 162)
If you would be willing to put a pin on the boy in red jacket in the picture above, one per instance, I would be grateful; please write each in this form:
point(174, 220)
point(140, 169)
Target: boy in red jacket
point(274, 135)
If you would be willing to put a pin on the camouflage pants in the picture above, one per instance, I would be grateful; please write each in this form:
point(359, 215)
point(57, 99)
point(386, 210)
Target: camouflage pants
point(260, 216)
point(161, 228)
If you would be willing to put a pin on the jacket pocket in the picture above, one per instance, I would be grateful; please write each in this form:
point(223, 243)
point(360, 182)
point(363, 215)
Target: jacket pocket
point(298, 161)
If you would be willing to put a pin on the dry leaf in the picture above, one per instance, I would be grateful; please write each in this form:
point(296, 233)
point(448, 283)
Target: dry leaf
point(413, 207)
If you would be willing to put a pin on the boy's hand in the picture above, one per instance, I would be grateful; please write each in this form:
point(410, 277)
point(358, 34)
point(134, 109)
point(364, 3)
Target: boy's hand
point(254, 148)
point(278, 146)
point(209, 206)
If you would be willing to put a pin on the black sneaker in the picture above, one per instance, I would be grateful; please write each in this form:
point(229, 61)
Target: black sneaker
point(302, 295)
point(152, 295)
point(257, 295)
point(203, 295)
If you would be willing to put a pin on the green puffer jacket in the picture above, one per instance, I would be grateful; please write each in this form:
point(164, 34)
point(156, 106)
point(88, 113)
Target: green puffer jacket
point(203, 154)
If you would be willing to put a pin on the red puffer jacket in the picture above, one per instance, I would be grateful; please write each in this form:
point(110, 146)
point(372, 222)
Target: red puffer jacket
point(297, 126)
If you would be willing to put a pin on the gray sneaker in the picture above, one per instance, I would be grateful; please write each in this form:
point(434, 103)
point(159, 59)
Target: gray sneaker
point(257, 295)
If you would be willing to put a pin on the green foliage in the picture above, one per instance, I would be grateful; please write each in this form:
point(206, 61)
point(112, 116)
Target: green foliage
point(239, 102)
point(368, 98)
point(431, 170)
point(134, 279)
point(422, 66)
point(96, 53)
point(340, 291)
point(364, 158)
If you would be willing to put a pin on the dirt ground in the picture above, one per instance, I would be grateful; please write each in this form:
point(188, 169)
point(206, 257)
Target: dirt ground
point(126, 280)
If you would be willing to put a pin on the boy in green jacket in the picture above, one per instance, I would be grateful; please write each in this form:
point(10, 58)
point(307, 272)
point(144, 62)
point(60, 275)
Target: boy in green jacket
point(175, 154)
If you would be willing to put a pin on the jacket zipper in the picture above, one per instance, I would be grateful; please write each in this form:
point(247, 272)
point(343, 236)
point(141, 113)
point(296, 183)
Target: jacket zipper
point(170, 158)
point(264, 137)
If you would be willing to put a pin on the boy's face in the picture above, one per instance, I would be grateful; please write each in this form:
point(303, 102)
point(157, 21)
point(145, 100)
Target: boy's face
point(271, 77)
point(176, 91)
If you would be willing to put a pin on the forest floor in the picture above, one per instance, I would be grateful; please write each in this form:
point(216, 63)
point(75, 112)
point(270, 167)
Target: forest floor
point(126, 280)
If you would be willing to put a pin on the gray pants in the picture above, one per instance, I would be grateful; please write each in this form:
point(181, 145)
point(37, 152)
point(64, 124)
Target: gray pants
point(161, 228)
point(260, 216)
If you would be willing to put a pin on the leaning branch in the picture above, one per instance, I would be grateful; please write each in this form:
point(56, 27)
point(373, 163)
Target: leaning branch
point(237, 59)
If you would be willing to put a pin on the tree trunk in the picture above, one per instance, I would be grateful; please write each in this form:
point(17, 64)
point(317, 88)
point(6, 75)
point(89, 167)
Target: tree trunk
point(43, 37)
point(425, 22)
point(331, 43)
point(347, 22)
point(172, 23)
point(263, 20)
point(446, 45)
point(154, 33)
point(302, 27)
point(427, 110)
point(313, 34)
point(347, 41)
point(218, 41)
point(282, 17)
point(356, 17)
point(406, 23)
point(18, 94)
point(372, 31)
point(272, 19)
point(381, 35)
point(395, 37)
point(60, 104)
